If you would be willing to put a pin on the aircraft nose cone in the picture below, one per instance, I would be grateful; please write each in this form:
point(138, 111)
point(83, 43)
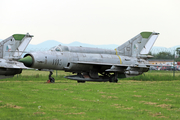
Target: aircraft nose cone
point(27, 61)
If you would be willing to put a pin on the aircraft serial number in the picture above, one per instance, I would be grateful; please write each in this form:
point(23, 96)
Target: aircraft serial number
point(56, 62)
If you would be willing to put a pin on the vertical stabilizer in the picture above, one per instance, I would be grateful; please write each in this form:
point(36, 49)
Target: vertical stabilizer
point(138, 45)
point(14, 46)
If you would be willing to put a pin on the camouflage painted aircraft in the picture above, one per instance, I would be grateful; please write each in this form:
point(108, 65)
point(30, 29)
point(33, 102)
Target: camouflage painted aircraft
point(11, 50)
point(94, 64)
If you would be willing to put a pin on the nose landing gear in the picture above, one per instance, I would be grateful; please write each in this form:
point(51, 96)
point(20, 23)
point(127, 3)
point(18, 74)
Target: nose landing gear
point(51, 79)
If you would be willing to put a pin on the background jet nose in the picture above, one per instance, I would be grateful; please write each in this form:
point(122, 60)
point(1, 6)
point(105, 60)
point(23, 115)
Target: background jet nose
point(28, 61)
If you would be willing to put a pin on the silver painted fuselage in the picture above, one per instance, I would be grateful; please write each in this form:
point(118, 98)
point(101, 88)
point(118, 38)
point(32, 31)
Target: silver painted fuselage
point(68, 60)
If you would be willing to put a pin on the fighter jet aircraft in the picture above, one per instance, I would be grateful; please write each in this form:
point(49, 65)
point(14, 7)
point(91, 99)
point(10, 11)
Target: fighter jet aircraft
point(94, 64)
point(11, 50)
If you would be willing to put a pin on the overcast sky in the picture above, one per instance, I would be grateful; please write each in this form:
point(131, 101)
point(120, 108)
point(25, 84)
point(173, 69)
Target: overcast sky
point(91, 21)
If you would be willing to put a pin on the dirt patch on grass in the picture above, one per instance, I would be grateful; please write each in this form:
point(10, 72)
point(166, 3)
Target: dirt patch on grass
point(11, 106)
point(56, 106)
point(159, 115)
point(39, 113)
point(119, 83)
point(109, 97)
point(85, 100)
point(164, 106)
point(17, 107)
point(148, 103)
point(128, 108)
point(137, 95)
point(88, 100)
point(76, 113)
point(177, 95)
point(153, 103)
point(122, 107)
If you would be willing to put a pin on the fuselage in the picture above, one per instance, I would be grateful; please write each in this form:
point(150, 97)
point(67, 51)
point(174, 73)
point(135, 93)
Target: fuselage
point(66, 60)
point(9, 68)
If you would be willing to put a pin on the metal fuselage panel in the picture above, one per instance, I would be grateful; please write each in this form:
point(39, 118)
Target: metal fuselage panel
point(64, 61)
point(10, 68)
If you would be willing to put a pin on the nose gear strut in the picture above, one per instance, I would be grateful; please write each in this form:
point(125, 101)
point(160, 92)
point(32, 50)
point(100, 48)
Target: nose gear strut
point(51, 79)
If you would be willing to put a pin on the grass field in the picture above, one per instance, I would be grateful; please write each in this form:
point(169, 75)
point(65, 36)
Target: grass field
point(29, 97)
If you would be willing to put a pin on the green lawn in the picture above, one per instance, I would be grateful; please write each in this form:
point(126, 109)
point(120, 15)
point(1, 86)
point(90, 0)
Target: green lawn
point(66, 99)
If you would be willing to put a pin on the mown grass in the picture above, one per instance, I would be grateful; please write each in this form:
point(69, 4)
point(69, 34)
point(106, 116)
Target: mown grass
point(157, 76)
point(33, 75)
point(66, 99)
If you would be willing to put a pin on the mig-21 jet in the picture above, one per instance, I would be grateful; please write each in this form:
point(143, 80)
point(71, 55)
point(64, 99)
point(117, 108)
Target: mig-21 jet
point(11, 50)
point(95, 64)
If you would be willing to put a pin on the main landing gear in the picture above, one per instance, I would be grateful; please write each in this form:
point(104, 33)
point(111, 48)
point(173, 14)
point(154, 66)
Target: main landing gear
point(104, 77)
point(51, 79)
point(113, 78)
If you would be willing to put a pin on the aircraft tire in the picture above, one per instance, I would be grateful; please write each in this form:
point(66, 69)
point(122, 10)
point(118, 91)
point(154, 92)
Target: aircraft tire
point(116, 81)
point(113, 80)
point(110, 79)
point(52, 80)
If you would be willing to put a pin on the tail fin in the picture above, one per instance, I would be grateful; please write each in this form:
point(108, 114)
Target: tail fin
point(138, 45)
point(13, 46)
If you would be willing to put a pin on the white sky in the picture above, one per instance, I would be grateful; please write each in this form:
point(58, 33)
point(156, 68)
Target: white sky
point(91, 21)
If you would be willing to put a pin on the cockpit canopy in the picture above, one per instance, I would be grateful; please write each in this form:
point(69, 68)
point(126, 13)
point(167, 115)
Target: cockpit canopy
point(60, 48)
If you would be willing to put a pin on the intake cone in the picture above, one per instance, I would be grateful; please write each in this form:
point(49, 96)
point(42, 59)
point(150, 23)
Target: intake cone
point(27, 61)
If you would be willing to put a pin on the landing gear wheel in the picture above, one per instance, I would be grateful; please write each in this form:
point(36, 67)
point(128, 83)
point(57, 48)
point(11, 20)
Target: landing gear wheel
point(52, 80)
point(110, 79)
point(113, 78)
point(116, 80)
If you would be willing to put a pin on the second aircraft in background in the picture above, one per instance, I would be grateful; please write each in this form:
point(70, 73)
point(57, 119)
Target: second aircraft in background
point(11, 50)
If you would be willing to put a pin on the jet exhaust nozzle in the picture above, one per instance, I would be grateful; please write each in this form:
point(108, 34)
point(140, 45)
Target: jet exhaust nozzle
point(27, 61)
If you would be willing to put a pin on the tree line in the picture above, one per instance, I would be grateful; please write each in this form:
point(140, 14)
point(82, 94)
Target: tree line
point(165, 55)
